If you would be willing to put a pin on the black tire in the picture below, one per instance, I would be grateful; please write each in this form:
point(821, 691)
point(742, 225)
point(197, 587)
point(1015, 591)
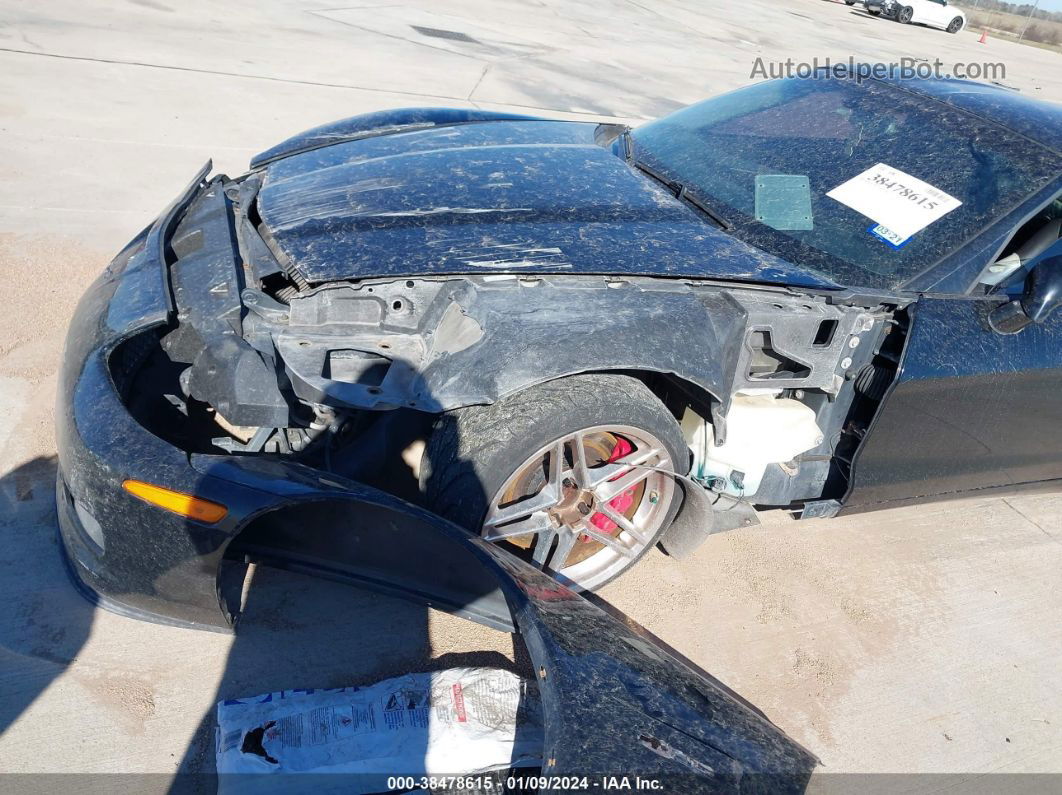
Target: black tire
point(849, 2)
point(904, 15)
point(472, 452)
point(955, 25)
point(874, 11)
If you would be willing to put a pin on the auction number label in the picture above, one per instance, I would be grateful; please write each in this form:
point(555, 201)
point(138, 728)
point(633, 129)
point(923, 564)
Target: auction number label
point(901, 204)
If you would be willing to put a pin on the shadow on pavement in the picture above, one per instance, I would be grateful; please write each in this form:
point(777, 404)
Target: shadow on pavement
point(45, 621)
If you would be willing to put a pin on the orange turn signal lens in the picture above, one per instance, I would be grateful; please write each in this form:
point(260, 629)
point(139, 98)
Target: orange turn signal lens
point(184, 504)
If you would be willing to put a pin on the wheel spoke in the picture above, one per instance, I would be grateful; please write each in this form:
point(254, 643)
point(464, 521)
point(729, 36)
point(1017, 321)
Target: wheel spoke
point(565, 544)
point(606, 473)
point(537, 522)
point(581, 468)
point(556, 467)
point(543, 545)
point(613, 488)
point(553, 548)
point(607, 540)
point(624, 523)
point(518, 510)
point(547, 497)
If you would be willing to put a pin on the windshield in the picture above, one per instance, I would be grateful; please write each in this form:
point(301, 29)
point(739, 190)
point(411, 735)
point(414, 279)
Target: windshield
point(866, 184)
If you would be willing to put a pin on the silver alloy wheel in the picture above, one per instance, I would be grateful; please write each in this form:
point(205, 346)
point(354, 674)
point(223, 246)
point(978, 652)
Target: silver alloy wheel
point(550, 505)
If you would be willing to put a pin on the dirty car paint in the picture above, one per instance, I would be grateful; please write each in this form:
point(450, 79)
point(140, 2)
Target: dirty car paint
point(525, 196)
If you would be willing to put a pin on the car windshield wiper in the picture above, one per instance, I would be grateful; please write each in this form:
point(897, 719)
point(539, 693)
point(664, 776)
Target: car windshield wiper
point(681, 192)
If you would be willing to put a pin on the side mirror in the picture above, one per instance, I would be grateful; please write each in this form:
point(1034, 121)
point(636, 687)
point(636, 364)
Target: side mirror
point(1042, 296)
point(1043, 289)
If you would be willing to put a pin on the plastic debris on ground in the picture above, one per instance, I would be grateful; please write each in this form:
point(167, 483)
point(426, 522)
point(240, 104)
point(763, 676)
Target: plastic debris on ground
point(455, 722)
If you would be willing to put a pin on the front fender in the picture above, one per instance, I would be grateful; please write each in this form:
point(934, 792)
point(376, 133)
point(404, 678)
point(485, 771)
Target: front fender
point(536, 334)
point(468, 341)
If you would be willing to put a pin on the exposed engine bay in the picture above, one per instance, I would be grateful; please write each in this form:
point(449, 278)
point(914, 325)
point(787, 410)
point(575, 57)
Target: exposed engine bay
point(774, 388)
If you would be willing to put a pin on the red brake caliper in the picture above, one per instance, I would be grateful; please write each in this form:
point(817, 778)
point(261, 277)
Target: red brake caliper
point(621, 502)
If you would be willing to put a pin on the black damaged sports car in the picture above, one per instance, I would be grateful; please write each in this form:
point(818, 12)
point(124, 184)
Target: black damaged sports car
point(574, 340)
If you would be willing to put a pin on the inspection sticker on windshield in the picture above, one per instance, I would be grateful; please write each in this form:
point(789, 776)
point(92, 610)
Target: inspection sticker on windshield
point(886, 235)
point(903, 205)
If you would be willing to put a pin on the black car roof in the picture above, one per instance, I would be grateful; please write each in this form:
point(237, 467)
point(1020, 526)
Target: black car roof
point(1036, 119)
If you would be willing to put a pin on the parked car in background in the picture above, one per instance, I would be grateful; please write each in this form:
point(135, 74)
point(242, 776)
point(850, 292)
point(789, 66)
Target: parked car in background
point(932, 13)
point(875, 7)
point(871, 6)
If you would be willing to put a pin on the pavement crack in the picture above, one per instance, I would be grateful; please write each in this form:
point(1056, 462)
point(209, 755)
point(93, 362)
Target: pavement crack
point(1032, 521)
point(220, 73)
point(395, 37)
point(486, 68)
point(287, 80)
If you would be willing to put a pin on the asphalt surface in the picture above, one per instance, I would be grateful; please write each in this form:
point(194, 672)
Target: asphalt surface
point(914, 640)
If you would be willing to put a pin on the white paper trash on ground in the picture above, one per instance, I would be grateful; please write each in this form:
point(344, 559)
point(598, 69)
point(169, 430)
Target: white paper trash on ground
point(458, 721)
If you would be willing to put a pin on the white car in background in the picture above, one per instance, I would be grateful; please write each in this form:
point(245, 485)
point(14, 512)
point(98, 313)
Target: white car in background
point(933, 13)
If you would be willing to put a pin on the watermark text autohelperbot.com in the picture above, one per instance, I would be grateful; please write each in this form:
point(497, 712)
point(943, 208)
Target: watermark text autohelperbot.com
point(906, 69)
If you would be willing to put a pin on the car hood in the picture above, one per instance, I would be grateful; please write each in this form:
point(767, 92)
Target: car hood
point(490, 197)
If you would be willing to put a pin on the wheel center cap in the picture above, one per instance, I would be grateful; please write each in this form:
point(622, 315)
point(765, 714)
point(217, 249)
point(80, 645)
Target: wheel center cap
point(575, 506)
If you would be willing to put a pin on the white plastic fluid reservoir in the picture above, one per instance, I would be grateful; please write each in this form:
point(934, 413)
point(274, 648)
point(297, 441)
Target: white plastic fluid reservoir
point(761, 429)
